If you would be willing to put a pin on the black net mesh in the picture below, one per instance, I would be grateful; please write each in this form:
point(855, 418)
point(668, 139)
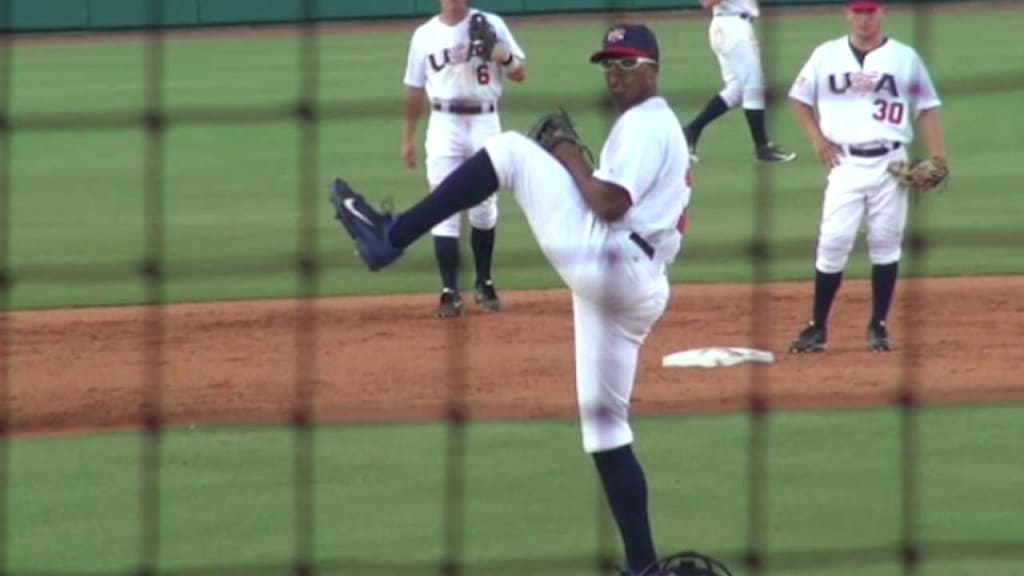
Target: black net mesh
point(309, 113)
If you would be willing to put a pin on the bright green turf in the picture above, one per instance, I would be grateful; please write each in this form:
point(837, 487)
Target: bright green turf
point(226, 496)
point(232, 191)
point(227, 500)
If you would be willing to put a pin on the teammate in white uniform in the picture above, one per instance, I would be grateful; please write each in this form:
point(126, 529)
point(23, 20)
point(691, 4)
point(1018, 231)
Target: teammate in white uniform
point(867, 90)
point(610, 233)
point(735, 44)
point(463, 92)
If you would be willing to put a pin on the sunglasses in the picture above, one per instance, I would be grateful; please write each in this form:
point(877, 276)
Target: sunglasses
point(625, 63)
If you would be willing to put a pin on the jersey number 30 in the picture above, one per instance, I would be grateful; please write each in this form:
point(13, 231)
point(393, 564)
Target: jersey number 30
point(483, 75)
point(891, 112)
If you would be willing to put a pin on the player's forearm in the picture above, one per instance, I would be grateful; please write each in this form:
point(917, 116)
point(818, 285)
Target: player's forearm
point(514, 68)
point(808, 121)
point(930, 126)
point(413, 111)
point(610, 203)
point(709, 3)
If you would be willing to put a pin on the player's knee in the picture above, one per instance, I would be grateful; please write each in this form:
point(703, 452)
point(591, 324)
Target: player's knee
point(485, 215)
point(732, 94)
point(753, 98)
point(884, 247)
point(833, 253)
point(506, 143)
point(506, 151)
point(604, 427)
point(450, 228)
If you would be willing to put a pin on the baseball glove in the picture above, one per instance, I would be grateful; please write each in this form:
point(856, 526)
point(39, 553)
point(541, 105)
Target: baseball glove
point(482, 36)
point(920, 176)
point(688, 564)
point(555, 128)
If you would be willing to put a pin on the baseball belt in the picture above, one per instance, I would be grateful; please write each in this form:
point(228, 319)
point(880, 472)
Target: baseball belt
point(875, 151)
point(741, 15)
point(464, 107)
point(643, 244)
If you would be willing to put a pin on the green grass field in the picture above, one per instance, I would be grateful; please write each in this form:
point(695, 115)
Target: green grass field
point(232, 192)
point(233, 197)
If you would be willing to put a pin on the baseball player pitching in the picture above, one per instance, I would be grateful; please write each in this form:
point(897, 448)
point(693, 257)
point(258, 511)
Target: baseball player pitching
point(734, 43)
point(459, 61)
point(856, 98)
point(609, 232)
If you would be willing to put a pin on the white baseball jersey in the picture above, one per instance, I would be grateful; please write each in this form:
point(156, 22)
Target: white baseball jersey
point(865, 101)
point(618, 290)
point(736, 7)
point(439, 61)
point(646, 153)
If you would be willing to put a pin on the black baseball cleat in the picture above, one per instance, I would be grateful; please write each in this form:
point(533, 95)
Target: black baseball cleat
point(813, 338)
point(450, 305)
point(684, 564)
point(367, 227)
point(486, 296)
point(878, 337)
point(771, 154)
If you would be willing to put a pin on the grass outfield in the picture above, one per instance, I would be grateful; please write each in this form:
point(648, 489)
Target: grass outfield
point(232, 192)
point(531, 495)
point(226, 496)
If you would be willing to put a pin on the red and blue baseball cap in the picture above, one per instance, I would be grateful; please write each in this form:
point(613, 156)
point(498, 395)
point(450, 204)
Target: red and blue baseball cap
point(865, 5)
point(628, 41)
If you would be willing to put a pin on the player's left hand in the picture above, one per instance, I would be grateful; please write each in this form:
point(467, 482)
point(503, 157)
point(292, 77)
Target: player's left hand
point(482, 37)
point(555, 132)
point(920, 176)
point(409, 154)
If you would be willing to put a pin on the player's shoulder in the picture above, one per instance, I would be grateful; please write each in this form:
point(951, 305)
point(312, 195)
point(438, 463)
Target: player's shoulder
point(831, 47)
point(651, 116)
point(901, 48)
point(491, 17)
point(426, 28)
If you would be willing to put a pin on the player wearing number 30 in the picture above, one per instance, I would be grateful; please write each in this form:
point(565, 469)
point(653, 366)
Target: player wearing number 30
point(867, 90)
point(463, 85)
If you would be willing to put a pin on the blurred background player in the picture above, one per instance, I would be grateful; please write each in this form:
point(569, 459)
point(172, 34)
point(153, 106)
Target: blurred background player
point(463, 86)
point(735, 44)
point(857, 99)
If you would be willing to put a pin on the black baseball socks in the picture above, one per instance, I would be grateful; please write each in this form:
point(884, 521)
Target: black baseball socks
point(446, 251)
point(626, 489)
point(883, 285)
point(483, 252)
point(470, 184)
point(715, 108)
point(825, 288)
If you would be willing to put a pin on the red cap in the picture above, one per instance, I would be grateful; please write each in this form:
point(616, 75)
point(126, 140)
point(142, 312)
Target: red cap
point(865, 5)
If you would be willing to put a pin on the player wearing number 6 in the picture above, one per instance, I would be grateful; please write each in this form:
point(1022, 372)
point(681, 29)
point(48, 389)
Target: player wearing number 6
point(459, 60)
point(867, 90)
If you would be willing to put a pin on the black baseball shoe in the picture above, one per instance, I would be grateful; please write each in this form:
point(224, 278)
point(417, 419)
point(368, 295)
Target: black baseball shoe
point(878, 337)
point(771, 154)
point(813, 338)
point(450, 304)
point(486, 296)
point(685, 564)
point(367, 227)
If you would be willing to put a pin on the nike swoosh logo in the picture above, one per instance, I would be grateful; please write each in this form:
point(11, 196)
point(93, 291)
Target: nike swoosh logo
point(350, 205)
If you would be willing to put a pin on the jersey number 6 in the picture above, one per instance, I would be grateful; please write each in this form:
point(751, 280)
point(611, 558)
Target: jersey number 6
point(891, 112)
point(483, 75)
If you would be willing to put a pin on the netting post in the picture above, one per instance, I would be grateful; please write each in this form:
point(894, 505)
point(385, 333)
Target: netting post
point(153, 275)
point(909, 390)
point(6, 81)
point(759, 394)
point(310, 193)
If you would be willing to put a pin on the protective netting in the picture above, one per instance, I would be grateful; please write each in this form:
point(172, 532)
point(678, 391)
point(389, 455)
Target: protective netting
point(308, 113)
